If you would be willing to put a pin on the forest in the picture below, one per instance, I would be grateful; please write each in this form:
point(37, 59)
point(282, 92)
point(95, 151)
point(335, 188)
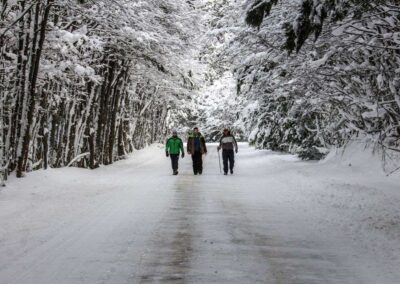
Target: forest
point(84, 83)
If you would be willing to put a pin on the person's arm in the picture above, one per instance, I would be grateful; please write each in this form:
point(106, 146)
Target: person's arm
point(235, 144)
point(181, 147)
point(204, 144)
point(220, 144)
point(188, 145)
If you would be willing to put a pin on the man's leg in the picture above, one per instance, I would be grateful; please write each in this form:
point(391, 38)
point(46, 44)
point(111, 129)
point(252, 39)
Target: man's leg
point(199, 162)
point(174, 161)
point(231, 160)
point(225, 160)
point(194, 163)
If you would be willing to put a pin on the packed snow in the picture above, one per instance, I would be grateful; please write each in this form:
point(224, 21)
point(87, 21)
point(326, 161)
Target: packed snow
point(276, 220)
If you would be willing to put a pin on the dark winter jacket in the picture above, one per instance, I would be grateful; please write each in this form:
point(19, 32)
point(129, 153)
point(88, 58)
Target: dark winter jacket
point(191, 143)
point(174, 145)
point(228, 142)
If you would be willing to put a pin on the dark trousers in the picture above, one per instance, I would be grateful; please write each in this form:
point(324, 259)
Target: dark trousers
point(197, 162)
point(174, 161)
point(228, 155)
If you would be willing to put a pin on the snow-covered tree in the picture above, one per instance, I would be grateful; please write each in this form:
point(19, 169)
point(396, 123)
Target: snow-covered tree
point(341, 83)
point(84, 83)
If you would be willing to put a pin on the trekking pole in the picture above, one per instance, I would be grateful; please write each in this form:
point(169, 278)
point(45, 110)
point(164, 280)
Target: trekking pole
point(219, 160)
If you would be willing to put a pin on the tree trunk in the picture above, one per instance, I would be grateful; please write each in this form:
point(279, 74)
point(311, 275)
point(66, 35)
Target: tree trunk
point(26, 131)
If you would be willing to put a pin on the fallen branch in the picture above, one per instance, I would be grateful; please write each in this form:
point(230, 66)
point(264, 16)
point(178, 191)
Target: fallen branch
point(78, 158)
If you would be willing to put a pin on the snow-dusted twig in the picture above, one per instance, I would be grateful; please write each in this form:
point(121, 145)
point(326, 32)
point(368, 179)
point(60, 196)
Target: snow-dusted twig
point(19, 18)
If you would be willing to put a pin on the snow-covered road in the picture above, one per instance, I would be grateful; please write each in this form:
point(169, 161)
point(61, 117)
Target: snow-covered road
point(277, 220)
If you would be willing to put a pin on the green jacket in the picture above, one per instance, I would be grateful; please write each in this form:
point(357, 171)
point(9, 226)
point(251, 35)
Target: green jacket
point(174, 145)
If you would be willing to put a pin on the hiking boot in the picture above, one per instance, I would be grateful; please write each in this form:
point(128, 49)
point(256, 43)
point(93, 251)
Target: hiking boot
point(225, 173)
point(200, 172)
point(231, 172)
point(175, 173)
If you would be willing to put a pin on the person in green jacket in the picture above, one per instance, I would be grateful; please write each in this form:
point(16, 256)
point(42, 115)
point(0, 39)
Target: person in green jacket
point(173, 148)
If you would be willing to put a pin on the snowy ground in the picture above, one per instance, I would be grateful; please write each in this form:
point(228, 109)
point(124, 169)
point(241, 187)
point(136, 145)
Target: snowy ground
point(277, 220)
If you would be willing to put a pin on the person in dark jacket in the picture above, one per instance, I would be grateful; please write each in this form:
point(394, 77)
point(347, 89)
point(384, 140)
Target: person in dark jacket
point(173, 148)
point(196, 146)
point(228, 145)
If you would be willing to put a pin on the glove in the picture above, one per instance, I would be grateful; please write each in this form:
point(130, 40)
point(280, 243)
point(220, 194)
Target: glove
point(236, 151)
point(166, 154)
point(218, 148)
point(183, 155)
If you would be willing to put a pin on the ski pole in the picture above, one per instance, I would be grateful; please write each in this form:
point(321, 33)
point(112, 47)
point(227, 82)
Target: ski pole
point(219, 160)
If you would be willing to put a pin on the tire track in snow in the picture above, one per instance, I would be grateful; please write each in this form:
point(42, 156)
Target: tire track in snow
point(168, 254)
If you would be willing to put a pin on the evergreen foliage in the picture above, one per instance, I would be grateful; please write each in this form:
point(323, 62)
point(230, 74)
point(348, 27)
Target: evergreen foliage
point(344, 85)
point(258, 10)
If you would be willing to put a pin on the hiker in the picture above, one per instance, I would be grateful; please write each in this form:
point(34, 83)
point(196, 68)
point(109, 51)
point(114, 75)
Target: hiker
point(228, 144)
point(173, 147)
point(196, 146)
